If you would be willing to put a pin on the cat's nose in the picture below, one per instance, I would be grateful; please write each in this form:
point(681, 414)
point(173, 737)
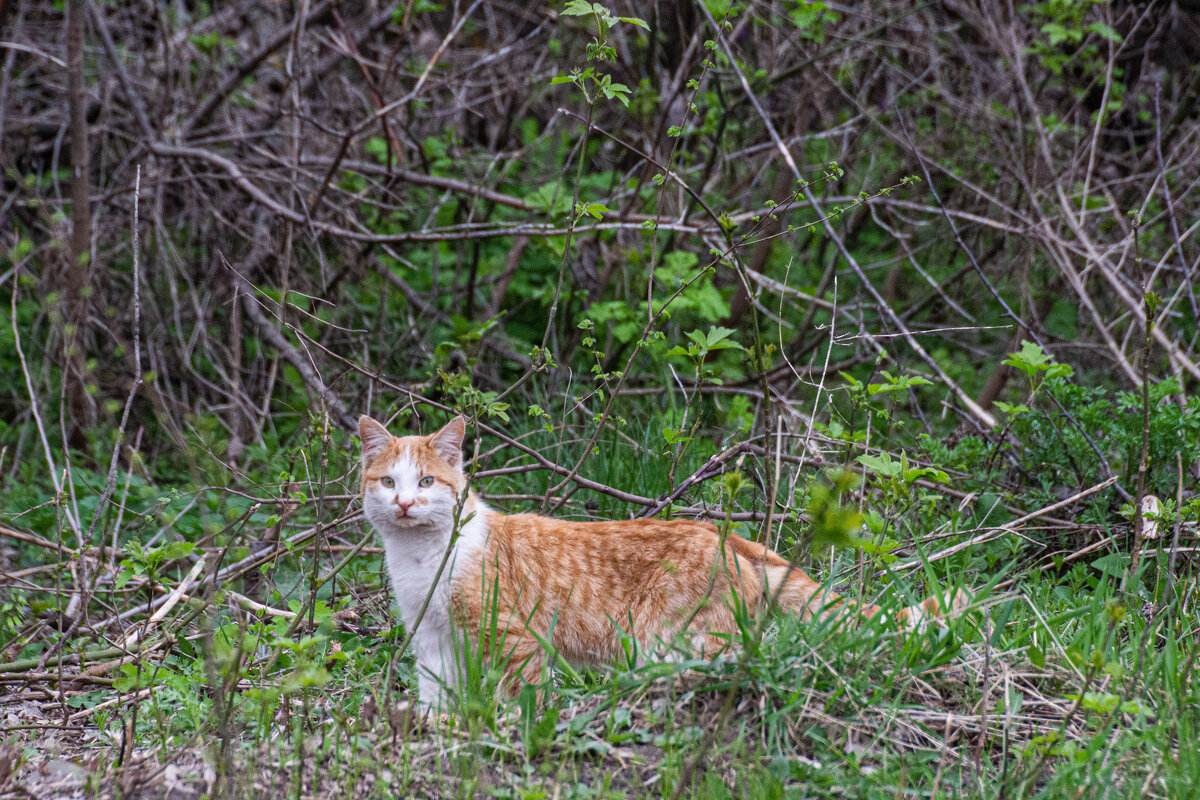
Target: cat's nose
point(405, 505)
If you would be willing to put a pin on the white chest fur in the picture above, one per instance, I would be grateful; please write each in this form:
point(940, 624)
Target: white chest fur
point(413, 556)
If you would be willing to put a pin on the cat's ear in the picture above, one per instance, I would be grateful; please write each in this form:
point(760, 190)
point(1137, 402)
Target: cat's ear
point(448, 442)
point(374, 438)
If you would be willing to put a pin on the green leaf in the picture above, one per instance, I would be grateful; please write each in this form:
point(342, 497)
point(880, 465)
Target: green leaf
point(173, 550)
point(718, 338)
point(894, 384)
point(1136, 707)
point(1100, 702)
point(123, 578)
point(882, 464)
point(673, 436)
point(596, 210)
point(832, 523)
point(1032, 359)
point(1113, 564)
point(581, 8)
point(1037, 656)
point(1104, 31)
point(1012, 409)
point(1013, 700)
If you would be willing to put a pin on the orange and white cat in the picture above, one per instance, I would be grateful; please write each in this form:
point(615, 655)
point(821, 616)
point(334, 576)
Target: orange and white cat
point(558, 583)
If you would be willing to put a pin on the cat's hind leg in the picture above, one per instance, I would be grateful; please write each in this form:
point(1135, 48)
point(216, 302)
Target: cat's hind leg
point(523, 662)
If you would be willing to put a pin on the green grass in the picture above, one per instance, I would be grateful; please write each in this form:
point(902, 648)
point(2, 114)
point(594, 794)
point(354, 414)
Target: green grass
point(1056, 684)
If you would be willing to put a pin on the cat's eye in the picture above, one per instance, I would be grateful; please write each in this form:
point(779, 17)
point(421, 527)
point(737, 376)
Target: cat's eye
point(388, 483)
point(426, 482)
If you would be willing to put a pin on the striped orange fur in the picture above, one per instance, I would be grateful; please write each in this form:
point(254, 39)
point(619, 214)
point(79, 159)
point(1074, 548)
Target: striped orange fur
point(576, 587)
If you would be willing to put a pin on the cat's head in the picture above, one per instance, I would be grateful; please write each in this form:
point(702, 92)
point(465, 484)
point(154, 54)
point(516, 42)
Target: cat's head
point(411, 481)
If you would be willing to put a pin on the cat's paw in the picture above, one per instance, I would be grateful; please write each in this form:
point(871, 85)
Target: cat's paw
point(407, 719)
point(959, 601)
point(410, 720)
point(937, 608)
point(947, 605)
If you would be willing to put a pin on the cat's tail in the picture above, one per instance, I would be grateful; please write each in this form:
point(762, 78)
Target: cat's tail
point(794, 592)
point(787, 586)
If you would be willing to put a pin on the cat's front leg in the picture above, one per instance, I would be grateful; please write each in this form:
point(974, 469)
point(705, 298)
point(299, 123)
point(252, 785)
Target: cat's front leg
point(525, 658)
point(431, 694)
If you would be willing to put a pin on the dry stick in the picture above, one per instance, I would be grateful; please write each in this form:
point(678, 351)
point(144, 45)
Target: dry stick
point(109, 703)
point(673, 150)
point(252, 561)
point(382, 111)
point(766, 532)
point(72, 520)
point(421, 179)
point(715, 465)
point(78, 277)
point(1079, 285)
point(351, 48)
point(1144, 463)
point(110, 481)
point(1099, 259)
point(171, 600)
point(427, 312)
point(510, 269)
point(123, 504)
point(1101, 115)
point(1109, 272)
point(29, 538)
point(239, 177)
point(572, 475)
point(500, 198)
point(727, 706)
point(131, 92)
point(984, 417)
point(302, 365)
point(1009, 312)
point(27, 664)
point(54, 677)
point(1178, 529)
point(1074, 555)
point(572, 221)
point(238, 77)
point(541, 459)
point(1010, 527)
point(86, 584)
point(984, 694)
point(1018, 231)
point(666, 170)
point(1171, 215)
point(1044, 755)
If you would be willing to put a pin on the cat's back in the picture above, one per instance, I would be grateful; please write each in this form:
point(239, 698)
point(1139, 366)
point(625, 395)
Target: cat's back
point(534, 530)
point(615, 550)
